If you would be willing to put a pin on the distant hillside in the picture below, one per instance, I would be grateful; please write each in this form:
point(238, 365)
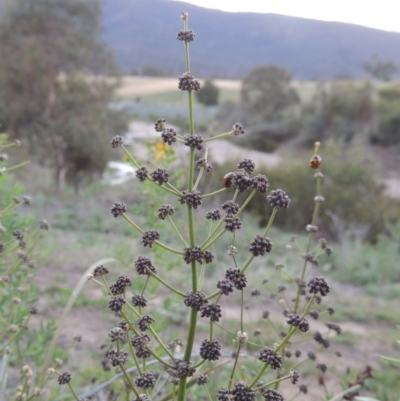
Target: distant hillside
point(229, 44)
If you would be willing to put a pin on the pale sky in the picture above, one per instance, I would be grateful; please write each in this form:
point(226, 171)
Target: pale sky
point(379, 14)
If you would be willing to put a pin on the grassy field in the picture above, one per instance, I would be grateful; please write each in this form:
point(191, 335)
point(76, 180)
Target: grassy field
point(83, 232)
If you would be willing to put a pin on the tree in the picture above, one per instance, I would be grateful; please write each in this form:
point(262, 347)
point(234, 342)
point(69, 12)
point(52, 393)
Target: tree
point(381, 69)
point(43, 44)
point(209, 93)
point(266, 91)
point(268, 106)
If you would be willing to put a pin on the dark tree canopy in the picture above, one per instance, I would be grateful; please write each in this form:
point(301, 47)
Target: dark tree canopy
point(266, 91)
point(209, 93)
point(43, 45)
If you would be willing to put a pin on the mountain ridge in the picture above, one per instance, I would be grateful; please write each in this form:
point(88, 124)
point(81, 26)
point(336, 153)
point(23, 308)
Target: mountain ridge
point(227, 45)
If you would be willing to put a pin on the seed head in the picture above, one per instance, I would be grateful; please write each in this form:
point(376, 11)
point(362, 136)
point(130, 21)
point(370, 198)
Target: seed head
point(260, 245)
point(194, 141)
point(278, 198)
point(210, 350)
point(214, 215)
point(169, 136)
point(160, 176)
point(143, 264)
point(187, 36)
point(202, 379)
point(268, 355)
point(159, 125)
point(144, 322)
point(238, 129)
point(230, 207)
point(149, 237)
point(146, 380)
point(247, 165)
point(118, 208)
point(164, 211)
point(191, 198)
point(194, 299)
point(318, 285)
point(271, 395)
point(211, 310)
point(225, 286)
point(187, 82)
point(64, 378)
point(142, 173)
point(117, 141)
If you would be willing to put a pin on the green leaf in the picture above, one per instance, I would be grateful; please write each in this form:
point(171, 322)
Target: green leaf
point(396, 361)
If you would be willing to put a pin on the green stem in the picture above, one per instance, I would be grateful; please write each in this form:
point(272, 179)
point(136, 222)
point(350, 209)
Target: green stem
point(159, 279)
point(217, 137)
point(176, 230)
point(214, 193)
point(15, 167)
point(156, 242)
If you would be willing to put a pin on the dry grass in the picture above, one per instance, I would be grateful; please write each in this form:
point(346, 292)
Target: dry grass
point(132, 86)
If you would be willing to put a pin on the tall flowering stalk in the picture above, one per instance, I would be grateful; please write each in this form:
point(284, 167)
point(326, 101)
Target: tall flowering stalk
point(135, 339)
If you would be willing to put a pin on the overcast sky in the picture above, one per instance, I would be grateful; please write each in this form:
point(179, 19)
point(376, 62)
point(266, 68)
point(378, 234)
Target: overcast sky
point(382, 14)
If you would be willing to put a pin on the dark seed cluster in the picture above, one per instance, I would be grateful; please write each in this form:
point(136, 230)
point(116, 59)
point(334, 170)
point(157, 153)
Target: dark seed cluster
point(271, 395)
point(160, 176)
point(247, 165)
point(146, 380)
point(202, 379)
point(139, 301)
point(191, 198)
point(241, 392)
point(214, 215)
point(194, 299)
point(194, 141)
point(142, 264)
point(211, 310)
point(238, 129)
point(64, 378)
point(144, 322)
point(187, 36)
point(210, 350)
point(225, 286)
point(260, 245)
point(294, 376)
point(268, 355)
point(117, 141)
point(334, 327)
point(203, 163)
point(232, 223)
point(181, 369)
point(116, 357)
point(296, 321)
point(321, 340)
point(168, 136)
point(149, 237)
point(230, 207)
point(164, 211)
point(100, 271)
point(318, 285)
point(142, 173)
point(242, 181)
point(238, 279)
point(117, 334)
point(140, 341)
point(278, 198)
point(187, 82)
point(116, 303)
point(118, 208)
point(159, 125)
point(196, 254)
point(120, 285)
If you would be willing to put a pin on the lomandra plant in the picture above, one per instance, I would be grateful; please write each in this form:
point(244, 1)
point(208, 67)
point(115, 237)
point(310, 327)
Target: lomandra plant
point(146, 357)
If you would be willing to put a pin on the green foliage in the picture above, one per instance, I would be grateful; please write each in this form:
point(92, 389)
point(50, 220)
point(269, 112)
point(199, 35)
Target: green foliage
point(337, 110)
point(388, 133)
point(208, 94)
point(154, 71)
point(352, 192)
point(381, 69)
point(42, 99)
